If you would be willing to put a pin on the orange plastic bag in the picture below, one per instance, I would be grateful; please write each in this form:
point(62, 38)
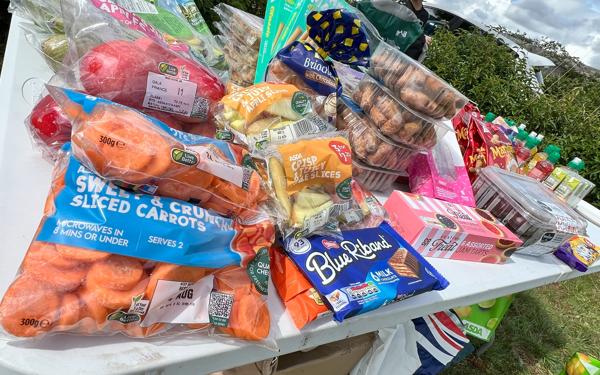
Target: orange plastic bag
point(100, 265)
point(124, 145)
point(301, 300)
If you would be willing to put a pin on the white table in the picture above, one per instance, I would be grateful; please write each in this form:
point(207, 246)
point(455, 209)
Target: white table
point(23, 185)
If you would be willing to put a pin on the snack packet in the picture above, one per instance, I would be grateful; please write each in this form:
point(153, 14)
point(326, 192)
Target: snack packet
point(121, 144)
point(106, 261)
point(487, 146)
point(441, 174)
point(312, 180)
point(49, 128)
point(116, 55)
point(301, 300)
point(581, 364)
point(578, 252)
point(269, 113)
point(364, 270)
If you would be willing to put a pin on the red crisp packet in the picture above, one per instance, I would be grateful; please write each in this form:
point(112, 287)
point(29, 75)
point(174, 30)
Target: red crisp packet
point(487, 145)
point(461, 121)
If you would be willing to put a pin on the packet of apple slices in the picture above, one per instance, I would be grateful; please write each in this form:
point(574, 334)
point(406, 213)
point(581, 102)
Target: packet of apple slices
point(144, 154)
point(105, 261)
point(268, 113)
point(115, 54)
point(312, 181)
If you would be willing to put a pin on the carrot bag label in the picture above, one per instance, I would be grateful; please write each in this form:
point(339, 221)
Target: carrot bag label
point(312, 180)
point(138, 151)
point(268, 113)
point(105, 260)
point(365, 269)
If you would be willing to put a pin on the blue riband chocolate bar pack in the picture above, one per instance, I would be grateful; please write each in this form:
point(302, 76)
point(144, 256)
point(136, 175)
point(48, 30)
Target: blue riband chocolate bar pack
point(364, 270)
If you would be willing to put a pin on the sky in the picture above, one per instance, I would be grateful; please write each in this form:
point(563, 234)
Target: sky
point(574, 23)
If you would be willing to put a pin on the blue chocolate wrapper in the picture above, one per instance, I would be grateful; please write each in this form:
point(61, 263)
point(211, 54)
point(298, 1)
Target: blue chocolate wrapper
point(364, 270)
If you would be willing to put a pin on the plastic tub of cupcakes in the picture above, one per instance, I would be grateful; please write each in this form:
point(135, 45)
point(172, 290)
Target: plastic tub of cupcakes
point(374, 148)
point(414, 84)
point(528, 209)
point(395, 119)
point(373, 178)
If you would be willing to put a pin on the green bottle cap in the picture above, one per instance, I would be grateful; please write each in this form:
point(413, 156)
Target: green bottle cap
point(490, 117)
point(531, 142)
point(511, 122)
point(553, 157)
point(551, 148)
point(576, 164)
point(522, 135)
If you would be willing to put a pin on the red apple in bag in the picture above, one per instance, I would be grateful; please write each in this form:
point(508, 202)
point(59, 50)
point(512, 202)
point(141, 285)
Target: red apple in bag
point(48, 124)
point(145, 75)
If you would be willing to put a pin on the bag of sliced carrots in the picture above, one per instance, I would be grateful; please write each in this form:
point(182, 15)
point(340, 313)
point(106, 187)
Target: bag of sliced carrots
point(142, 153)
point(105, 260)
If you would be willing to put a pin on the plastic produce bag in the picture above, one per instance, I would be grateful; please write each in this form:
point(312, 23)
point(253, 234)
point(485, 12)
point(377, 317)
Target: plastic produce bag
point(105, 261)
point(116, 55)
point(269, 113)
point(312, 180)
point(45, 14)
point(122, 144)
point(51, 45)
point(168, 17)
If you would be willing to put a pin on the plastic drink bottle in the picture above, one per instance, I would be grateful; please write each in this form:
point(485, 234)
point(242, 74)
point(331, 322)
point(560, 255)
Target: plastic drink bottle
point(523, 154)
point(543, 168)
point(539, 157)
point(560, 173)
point(521, 138)
point(539, 138)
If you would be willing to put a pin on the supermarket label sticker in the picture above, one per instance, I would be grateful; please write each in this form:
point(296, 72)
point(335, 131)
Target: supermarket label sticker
point(179, 302)
point(169, 95)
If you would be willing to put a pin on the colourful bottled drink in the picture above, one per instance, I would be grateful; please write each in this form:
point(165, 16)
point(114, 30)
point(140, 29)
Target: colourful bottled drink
point(543, 168)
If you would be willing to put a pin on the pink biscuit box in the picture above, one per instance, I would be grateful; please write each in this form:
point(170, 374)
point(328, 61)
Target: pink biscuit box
point(442, 229)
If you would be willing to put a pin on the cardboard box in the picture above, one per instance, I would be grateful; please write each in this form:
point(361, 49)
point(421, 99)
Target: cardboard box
point(440, 229)
point(336, 358)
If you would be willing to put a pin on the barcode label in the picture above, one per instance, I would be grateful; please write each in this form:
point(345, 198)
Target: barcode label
point(219, 308)
point(200, 108)
point(339, 208)
point(137, 6)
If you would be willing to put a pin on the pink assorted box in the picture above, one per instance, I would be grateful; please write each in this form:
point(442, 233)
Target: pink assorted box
point(442, 229)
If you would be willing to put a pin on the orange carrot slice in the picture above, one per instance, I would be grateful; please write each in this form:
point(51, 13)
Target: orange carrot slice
point(119, 299)
point(79, 254)
point(45, 253)
point(116, 272)
point(69, 310)
point(28, 308)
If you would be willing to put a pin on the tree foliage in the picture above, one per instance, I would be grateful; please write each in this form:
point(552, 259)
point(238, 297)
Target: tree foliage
point(566, 110)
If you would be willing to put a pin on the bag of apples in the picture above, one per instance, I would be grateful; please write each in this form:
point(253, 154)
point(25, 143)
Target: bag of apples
point(115, 55)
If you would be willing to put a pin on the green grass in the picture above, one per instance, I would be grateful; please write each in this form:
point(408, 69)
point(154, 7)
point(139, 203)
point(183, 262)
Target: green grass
point(541, 330)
